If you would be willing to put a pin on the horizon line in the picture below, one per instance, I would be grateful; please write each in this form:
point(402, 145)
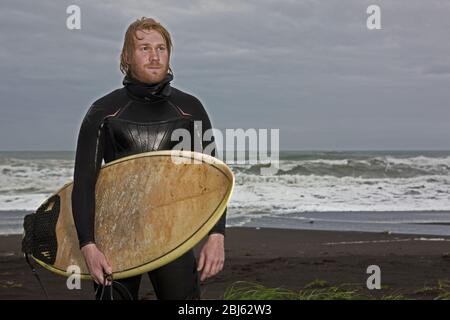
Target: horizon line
point(283, 150)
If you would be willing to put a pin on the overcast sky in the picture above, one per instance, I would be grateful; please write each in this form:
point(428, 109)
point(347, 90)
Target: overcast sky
point(310, 68)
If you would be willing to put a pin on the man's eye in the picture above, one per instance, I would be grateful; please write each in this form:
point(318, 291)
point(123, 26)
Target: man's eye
point(162, 48)
point(145, 48)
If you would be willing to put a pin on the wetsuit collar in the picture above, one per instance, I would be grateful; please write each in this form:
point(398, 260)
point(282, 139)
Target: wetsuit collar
point(148, 91)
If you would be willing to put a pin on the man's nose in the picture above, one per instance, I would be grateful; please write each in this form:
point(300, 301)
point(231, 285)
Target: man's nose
point(153, 55)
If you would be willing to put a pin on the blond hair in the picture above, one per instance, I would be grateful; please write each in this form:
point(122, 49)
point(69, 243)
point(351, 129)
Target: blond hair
point(130, 37)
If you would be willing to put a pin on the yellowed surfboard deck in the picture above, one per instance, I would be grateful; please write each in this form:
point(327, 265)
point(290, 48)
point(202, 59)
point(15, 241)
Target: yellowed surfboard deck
point(150, 209)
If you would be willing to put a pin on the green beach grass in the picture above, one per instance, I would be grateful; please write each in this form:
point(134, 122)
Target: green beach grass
point(322, 290)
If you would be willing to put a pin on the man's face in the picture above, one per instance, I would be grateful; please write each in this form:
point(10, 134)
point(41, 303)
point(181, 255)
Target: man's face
point(150, 60)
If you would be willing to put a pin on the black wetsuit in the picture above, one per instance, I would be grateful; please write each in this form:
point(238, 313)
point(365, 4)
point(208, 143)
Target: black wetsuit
point(134, 119)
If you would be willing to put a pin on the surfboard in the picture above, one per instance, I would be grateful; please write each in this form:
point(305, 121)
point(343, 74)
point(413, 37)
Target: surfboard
point(150, 209)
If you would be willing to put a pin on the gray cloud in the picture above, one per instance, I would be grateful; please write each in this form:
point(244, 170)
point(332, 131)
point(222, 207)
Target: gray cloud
point(310, 68)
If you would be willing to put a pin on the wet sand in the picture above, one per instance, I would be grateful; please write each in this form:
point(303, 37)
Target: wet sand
point(276, 258)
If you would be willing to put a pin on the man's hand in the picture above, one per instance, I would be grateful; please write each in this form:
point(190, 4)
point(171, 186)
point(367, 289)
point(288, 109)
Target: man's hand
point(96, 263)
point(212, 256)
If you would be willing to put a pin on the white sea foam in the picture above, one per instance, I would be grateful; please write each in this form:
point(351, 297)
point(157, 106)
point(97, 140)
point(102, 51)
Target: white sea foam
point(26, 183)
point(287, 194)
point(319, 182)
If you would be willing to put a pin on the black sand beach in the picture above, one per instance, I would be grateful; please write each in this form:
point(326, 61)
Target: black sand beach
point(283, 258)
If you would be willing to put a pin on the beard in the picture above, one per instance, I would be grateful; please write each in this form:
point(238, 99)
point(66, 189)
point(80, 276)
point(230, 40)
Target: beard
point(147, 75)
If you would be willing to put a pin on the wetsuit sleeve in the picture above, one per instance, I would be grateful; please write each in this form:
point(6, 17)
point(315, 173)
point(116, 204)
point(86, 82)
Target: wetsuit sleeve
point(88, 160)
point(219, 227)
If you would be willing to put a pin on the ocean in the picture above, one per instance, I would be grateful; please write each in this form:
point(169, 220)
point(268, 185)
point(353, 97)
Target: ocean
point(376, 191)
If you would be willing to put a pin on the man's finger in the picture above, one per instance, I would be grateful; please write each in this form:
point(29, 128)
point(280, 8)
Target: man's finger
point(201, 261)
point(207, 269)
point(213, 269)
point(94, 275)
point(99, 276)
point(107, 270)
point(220, 266)
point(106, 280)
point(217, 267)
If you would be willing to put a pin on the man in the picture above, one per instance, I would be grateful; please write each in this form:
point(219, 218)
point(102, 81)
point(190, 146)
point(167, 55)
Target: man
point(147, 98)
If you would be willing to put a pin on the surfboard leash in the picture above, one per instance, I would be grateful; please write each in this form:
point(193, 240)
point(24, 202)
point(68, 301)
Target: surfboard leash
point(109, 277)
point(105, 278)
point(34, 271)
point(123, 287)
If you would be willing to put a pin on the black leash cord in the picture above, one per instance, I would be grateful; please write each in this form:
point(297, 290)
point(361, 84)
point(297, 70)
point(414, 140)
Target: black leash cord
point(109, 277)
point(36, 275)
